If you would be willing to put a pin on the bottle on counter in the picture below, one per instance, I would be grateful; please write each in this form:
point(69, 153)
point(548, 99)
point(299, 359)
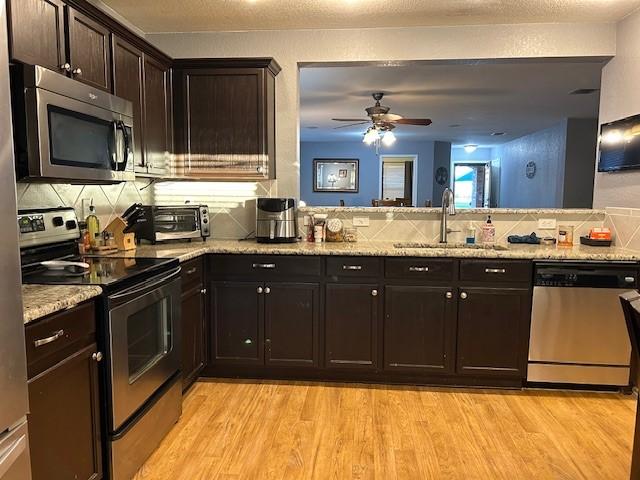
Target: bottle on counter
point(93, 224)
point(470, 237)
point(488, 231)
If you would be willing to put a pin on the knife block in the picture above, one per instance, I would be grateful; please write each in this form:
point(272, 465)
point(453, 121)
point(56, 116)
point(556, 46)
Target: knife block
point(124, 241)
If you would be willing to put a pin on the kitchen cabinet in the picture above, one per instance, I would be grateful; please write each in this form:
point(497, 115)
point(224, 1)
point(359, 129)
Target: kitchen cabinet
point(64, 418)
point(158, 128)
point(291, 324)
point(419, 329)
point(351, 325)
point(89, 50)
point(493, 331)
point(37, 32)
point(127, 83)
point(193, 322)
point(225, 118)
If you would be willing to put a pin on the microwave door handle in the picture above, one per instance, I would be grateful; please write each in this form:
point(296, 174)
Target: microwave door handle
point(121, 165)
point(114, 152)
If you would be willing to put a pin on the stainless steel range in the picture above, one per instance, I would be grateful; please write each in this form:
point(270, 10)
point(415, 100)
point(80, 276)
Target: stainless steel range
point(138, 331)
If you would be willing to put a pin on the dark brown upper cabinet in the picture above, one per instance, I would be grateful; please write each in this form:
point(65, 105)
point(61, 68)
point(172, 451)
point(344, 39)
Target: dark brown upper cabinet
point(127, 83)
point(225, 118)
point(89, 50)
point(38, 33)
point(158, 128)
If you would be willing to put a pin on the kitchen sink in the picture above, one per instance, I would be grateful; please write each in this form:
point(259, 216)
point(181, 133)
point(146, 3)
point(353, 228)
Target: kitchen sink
point(450, 245)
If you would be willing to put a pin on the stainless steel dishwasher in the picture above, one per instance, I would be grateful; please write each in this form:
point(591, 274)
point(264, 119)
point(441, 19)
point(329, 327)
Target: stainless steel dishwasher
point(578, 331)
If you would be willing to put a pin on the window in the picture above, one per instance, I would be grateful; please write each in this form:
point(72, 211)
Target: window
point(472, 184)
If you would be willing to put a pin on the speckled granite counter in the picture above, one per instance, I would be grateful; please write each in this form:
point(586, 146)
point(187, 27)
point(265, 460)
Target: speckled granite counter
point(41, 300)
point(188, 251)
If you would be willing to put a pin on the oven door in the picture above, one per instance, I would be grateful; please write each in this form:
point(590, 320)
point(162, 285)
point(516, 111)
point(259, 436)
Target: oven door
point(176, 223)
point(144, 343)
point(77, 141)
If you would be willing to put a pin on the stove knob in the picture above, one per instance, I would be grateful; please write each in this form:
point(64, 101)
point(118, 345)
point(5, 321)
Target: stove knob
point(57, 221)
point(205, 221)
point(71, 224)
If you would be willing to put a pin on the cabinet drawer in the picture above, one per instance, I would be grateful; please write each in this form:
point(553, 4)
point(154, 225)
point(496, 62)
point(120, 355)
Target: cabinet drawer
point(264, 266)
point(353, 266)
point(419, 268)
point(192, 274)
point(496, 271)
point(58, 336)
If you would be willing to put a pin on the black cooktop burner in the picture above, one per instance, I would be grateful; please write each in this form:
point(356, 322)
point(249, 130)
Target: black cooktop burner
point(105, 271)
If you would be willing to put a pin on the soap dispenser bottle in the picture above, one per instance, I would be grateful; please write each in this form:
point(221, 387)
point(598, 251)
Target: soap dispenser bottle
point(488, 231)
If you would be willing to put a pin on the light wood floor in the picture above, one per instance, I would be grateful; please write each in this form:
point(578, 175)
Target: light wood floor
point(294, 430)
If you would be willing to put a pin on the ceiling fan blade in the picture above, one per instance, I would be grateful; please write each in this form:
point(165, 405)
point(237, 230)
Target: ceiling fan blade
point(350, 125)
point(414, 121)
point(351, 119)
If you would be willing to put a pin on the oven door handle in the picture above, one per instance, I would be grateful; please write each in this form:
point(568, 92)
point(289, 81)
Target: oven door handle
point(135, 292)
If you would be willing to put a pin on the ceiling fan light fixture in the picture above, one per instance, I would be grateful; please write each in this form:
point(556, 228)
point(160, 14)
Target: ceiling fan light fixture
point(370, 136)
point(470, 148)
point(388, 138)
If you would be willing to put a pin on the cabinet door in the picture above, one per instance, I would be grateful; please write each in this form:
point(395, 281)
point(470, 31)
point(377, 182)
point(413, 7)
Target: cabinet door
point(419, 325)
point(127, 83)
point(224, 123)
point(237, 317)
point(64, 420)
point(89, 51)
point(493, 331)
point(158, 133)
point(291, 324)
point(37, 32)
point(193, 335)
point(351, 319)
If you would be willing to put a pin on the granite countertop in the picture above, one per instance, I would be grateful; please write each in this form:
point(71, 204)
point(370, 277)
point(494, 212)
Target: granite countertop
point(41, 300)
point(186, 252)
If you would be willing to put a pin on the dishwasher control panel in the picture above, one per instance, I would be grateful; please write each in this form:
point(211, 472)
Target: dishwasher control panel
point(588, 275)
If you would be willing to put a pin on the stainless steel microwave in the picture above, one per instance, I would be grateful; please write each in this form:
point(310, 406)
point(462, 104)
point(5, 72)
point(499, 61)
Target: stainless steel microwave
point(65, 130)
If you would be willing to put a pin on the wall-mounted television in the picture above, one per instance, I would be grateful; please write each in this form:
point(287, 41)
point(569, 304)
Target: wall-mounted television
point(620, 145)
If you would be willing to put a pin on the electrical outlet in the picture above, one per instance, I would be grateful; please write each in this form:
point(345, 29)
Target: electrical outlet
point(306, 220)
point(360, 221)
point(546, 223)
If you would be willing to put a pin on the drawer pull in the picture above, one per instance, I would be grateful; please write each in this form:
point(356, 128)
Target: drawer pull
point(495, 270)
point(265, 266)
point(352, 267)
point(374, 293)
point(418, 269)
point(463, 295)
point(259, 290)
point(449, 295)
point(191, 271)
point(267, 290)
point(43, 341)
point(97, 357)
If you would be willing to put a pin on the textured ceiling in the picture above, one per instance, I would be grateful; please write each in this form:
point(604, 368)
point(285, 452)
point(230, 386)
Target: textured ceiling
point(517, 98)
point(232, 15)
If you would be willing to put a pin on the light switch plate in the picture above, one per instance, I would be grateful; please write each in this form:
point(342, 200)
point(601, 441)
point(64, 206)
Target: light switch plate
point(360, 221)
point(547, 223)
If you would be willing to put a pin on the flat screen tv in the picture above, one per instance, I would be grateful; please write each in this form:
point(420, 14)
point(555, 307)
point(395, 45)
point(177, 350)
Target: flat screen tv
point(620, 145)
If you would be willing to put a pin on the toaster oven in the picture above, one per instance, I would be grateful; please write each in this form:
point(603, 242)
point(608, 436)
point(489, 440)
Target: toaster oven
point(162, 223)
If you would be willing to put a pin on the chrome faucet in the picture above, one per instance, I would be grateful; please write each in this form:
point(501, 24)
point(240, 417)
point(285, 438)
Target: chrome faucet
point(448, 208)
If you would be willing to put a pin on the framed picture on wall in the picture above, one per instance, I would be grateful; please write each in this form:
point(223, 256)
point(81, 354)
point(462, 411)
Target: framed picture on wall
point(335, 175)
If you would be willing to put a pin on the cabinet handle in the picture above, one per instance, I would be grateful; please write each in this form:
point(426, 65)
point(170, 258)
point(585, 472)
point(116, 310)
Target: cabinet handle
point(248, 341)
point(463, 295)
point(449, 295)
point(203, 291)
point(352, 267)
point(266, 266)
point(43, 341)
point(259, 290)
point(374, 293)
point(267, 290)
point(65, 67)
point(191, 271)
point(97, 357)
point(495, 270)
point(418, 269)
point(77, 72)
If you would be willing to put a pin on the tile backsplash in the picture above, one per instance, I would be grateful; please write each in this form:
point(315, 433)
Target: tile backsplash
point(625, 226)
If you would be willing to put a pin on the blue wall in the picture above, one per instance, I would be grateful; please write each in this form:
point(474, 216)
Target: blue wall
point(369, 170)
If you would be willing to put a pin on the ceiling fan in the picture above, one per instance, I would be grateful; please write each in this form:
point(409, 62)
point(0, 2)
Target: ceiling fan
point(381, 118)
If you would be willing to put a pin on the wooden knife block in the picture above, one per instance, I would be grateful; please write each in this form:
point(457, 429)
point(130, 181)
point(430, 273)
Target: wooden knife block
point(124, 241)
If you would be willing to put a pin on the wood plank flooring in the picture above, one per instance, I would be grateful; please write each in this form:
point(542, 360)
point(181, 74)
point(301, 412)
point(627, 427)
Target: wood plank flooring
point(296, 430)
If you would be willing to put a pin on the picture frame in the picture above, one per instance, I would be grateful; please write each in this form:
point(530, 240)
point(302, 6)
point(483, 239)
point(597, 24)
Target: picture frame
point(336, 175)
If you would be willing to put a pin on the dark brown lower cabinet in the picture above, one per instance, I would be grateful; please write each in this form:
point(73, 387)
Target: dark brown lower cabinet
point(64, 420)
point(493, 331)
point(193, 334)
point(351, 325)
point(237, 320)
point(419, 329)
point(291, 324)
